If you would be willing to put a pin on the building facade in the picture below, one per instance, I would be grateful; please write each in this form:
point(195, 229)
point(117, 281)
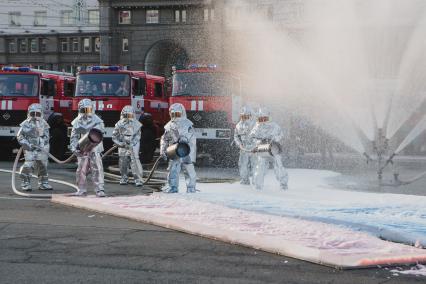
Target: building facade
point(49, 34)
point(141, 34)
point(154, 35)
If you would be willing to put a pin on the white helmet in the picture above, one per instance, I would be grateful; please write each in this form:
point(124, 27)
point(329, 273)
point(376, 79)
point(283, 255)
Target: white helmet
point(85, 107)
point(35, 111)
point(263, 115)
point(246, 113)
point(177, 111)
point(127, 112)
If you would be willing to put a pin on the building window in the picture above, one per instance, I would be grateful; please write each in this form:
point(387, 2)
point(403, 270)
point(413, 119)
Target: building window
point(23, 46)
point(152, 16)
point(12, 46)
point(14, 18)
point(67, 18)
point(76, 44)
point(180, 16)
point(97, 44)
point(79, 8)
point(124, 17)
point(86, 44)
point(93, 17)
point(183, 13)
point(43, 44)
point(208, 14)
point(64, 45)
point(40, 18)
point(125, 44)
point(34, 45)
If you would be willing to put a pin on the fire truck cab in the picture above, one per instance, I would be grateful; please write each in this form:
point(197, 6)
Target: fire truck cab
point(22, 86)
point(111, 88)
point(212, 99)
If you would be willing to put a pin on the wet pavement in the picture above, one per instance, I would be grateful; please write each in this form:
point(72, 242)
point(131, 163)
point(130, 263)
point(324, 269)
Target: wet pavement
point(49, 243)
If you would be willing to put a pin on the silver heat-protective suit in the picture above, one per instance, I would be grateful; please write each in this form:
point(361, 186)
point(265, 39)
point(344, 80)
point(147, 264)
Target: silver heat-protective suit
point(91, 161)
point(33, 136)
point(267, 131)
point(127, 136)
point(179, 129)
point(242, 131)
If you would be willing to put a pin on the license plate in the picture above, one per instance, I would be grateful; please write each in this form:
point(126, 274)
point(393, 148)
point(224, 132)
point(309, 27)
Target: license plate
point(212, 133)
point(8, 131)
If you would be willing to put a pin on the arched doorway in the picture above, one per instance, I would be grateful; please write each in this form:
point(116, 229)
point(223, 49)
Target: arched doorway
point(163, 55)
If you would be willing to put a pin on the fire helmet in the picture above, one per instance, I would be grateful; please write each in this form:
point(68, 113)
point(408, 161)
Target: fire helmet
point(246, 113)
point(128, 112)
point(177, 111)
point(263, 115)
point(85, 106)
point(35, 111)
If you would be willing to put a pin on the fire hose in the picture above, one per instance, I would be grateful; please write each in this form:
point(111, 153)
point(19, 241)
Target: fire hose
point(146, 181)
point(179, 150)
point(13, 172)
point(16, 191)
point(175, 151)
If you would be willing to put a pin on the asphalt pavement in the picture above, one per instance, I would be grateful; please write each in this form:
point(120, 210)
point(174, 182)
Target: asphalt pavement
point(42, 242)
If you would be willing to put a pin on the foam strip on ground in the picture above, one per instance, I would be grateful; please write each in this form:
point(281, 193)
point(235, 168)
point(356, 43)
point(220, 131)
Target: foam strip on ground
point(316, 242)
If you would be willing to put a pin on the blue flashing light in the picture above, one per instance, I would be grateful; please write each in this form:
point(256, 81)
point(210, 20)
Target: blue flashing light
point(14, 68)
point(105, 68)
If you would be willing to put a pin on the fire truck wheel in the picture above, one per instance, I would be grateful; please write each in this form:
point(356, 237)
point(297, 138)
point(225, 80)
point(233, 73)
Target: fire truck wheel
point(58, 142)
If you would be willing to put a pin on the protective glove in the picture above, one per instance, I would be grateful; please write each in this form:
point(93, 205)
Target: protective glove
point(183, 139)
point(121, 144)
point(76, 151)
point(35, 148)
point(163, 156)
point(26, 146)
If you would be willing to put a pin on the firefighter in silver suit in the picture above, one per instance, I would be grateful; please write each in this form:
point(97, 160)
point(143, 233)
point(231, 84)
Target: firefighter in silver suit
point(127, 136)
point(33, 136)
point(267, 131)
point(179, 129)
point(91, 161)
point(244, 143)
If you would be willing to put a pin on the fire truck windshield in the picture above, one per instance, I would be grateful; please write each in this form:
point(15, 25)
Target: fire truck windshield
point(18, 85)
point(103, 84)
point(203, 84)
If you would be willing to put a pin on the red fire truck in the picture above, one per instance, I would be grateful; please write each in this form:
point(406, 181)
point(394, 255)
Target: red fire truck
point(22, 86)
point(111, 88)
point(212, 99)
